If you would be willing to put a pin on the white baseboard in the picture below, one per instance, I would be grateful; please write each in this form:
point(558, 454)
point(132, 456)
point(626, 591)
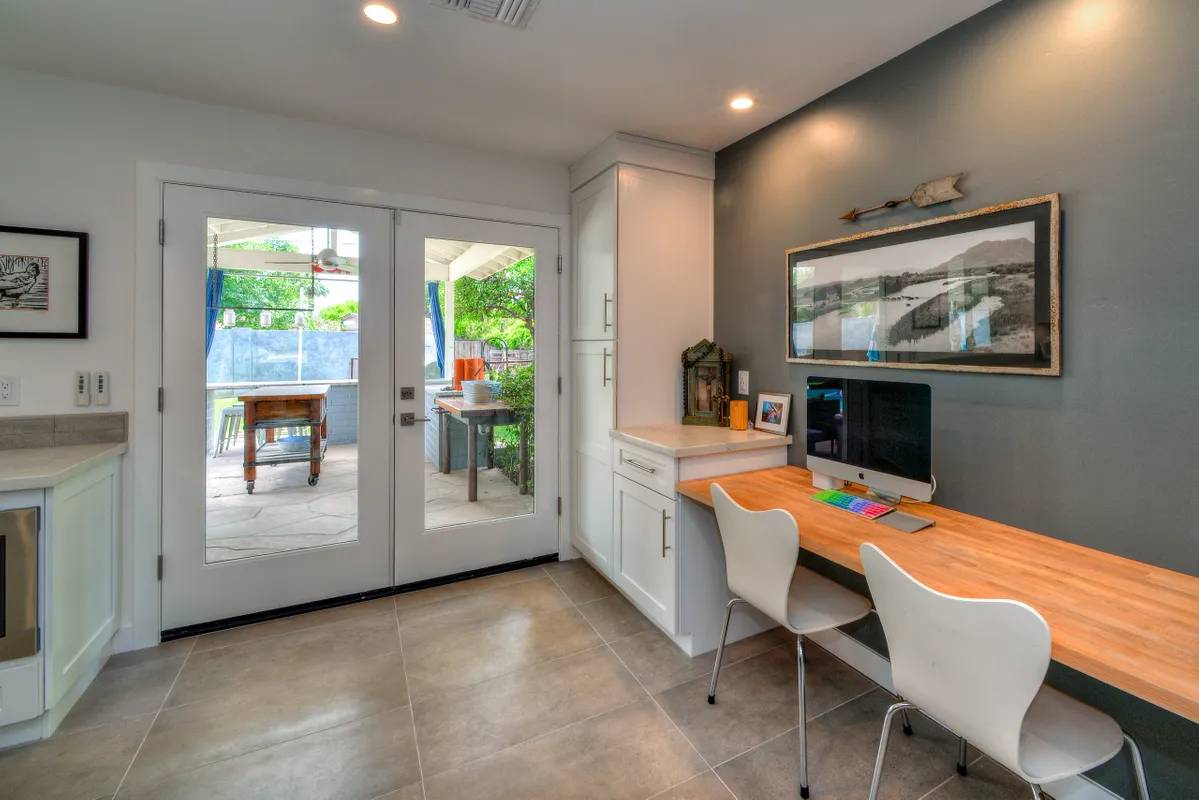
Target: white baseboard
point(878, 669)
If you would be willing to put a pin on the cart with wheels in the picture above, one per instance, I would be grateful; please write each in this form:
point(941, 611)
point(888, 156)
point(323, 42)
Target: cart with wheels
point(273, 408)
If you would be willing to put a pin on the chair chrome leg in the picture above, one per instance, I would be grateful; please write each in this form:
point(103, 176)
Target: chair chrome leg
point(1138, 768)
point(882, 746)
point(907, 723)
point(961, 755)
point(724, 632)
point(803, 719)
point(1036, 792)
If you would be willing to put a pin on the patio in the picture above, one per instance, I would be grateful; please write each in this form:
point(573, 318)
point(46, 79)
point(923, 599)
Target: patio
point(285, 513)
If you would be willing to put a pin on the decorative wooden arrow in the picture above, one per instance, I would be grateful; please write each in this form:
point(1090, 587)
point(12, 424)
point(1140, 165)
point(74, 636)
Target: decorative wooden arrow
point(929, 193)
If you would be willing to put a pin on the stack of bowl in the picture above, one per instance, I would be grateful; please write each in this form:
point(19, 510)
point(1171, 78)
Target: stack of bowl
point(478, 391)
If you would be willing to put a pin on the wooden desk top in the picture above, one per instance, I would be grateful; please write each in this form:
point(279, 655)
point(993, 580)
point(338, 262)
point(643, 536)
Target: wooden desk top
point(311, 391)
point(460, 408)
point(1128, 624)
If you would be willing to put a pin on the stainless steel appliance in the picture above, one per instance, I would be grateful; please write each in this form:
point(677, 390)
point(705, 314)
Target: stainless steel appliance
point(18, 583)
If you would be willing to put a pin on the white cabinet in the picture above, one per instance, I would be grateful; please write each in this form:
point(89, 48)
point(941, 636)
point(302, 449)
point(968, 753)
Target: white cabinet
point(78, 555)
point(592, 398)
point(641, 278)
point(593, 218)
point(646, 555)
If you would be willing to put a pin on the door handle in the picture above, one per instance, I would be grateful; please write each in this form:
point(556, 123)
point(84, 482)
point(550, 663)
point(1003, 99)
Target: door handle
point(665, 546)
point(607, 379)
point(607, 302)
point(408, 419)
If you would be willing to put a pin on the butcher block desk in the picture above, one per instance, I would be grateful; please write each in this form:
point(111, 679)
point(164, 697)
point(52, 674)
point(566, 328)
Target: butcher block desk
point(269, 408)
point(1128, 624)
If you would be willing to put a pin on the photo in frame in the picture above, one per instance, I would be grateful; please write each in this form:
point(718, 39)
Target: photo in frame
point(973, 292)
point(774, 411)
point(43, 283)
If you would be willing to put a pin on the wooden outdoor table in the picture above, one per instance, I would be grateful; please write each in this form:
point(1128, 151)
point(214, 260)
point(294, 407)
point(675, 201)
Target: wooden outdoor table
point(473, 415)
point(269, 408)
point(1130, 625)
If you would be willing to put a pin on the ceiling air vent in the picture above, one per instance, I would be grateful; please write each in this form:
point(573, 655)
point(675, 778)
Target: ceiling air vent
point(508, 12)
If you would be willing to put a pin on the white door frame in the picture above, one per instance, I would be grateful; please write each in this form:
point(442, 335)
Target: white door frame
point(141, 603)
point(422, 554)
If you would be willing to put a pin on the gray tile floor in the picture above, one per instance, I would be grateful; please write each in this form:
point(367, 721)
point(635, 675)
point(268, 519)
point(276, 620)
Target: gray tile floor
point(541, 683)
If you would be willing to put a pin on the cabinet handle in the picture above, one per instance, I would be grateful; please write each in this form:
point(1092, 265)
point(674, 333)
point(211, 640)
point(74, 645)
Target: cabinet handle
point(607, 303)
point(640, 466)
point(665, 546)
point(604, 362)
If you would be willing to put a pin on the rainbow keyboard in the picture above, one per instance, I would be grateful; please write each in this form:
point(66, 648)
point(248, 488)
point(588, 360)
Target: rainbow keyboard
point(853, 503)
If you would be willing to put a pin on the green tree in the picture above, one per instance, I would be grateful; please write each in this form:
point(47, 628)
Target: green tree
point(248, 290)
point(498, 307)
point(334, 314)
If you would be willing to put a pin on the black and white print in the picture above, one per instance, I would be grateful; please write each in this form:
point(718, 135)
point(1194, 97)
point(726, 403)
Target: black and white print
point(24, 282)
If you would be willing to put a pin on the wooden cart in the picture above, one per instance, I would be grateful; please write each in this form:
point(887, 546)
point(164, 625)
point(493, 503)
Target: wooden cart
point(270, 408)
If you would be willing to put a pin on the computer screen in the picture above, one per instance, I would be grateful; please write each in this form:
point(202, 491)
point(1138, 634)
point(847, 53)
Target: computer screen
point(881, 426)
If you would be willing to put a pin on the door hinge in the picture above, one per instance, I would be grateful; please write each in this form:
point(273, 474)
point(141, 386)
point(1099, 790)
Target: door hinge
point(162, 231)
point(37, 639)
point(160, 568)
point(559, 506)
point(559, 265)
point(161, 399)
point(559, 384)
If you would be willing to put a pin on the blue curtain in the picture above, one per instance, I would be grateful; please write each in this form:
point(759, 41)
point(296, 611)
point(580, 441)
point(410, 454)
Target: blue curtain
point(438, 325)
point(212, 297)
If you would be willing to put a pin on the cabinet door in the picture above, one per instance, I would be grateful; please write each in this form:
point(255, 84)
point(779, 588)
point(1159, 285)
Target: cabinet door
point(591, 420)
point(593, 221)
point(645, 549)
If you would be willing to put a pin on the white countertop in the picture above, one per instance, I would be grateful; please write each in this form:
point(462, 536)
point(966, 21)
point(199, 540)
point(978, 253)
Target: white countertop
point(43, 467)
point(683, 441)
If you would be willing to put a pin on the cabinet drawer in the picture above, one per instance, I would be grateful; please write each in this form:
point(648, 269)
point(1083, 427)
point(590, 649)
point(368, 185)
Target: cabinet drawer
point(20, 690)
point(651, 469)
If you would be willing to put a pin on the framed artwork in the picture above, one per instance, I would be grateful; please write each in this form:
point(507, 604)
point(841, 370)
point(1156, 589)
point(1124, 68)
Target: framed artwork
point(971, 292)
point(774, 410)
point(43, 283)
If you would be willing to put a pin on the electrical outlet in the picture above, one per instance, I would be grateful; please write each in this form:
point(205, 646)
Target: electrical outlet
point(10, 390)
point(742, 381)
point(100, 387)
point(83, 394)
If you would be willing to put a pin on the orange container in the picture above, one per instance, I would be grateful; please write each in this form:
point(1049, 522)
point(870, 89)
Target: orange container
point(739, 415)
point(467, 369)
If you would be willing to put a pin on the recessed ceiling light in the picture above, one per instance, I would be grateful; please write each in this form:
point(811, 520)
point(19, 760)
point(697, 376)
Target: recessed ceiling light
point(741, 103)
point(381, 13)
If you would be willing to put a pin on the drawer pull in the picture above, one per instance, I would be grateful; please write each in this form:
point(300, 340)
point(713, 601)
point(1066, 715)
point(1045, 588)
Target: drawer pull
point(607, 304)
point(665, 546)
point(638, 465)
point(604, 365)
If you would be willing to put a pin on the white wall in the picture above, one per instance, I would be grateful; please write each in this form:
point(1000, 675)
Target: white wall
point(68, 151)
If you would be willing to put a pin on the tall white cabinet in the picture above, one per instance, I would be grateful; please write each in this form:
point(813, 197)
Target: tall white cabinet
point(642, 223)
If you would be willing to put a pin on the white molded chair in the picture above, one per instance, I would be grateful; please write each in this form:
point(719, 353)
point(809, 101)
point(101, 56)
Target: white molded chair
point(761, 553)
point(978, 668)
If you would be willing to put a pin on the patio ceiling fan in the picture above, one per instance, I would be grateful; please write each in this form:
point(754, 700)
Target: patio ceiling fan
point(326, 260)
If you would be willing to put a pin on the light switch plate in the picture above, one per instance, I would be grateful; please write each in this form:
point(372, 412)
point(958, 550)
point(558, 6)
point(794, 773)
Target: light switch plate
point(100, 389)
point(83, 394)
point(10, 390)
point(742, 381)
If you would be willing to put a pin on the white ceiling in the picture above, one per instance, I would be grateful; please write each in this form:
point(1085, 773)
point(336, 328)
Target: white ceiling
point(581, 70)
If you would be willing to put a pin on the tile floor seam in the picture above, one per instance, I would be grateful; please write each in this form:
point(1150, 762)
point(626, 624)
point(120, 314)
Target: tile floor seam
point(573, 653)
point(544, 574)
point(680, 783)
point(271, 636)
point(411, 708)
point(537, 738)
point(952, 775)
point(150, 727)
point(661, 710)
point(206, 764)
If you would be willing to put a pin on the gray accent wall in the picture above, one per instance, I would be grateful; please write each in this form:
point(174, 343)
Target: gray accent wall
point(1097, 100)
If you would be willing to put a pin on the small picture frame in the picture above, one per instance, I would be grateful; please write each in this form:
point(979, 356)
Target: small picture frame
point(774, 412)
point(43, 283)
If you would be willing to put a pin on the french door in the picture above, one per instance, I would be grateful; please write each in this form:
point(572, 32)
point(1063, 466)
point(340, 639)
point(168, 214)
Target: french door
point(476, 477)
point(277, 376)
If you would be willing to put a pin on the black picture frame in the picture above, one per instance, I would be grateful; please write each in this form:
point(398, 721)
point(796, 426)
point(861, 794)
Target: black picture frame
point(905, 326)
point(80, 318)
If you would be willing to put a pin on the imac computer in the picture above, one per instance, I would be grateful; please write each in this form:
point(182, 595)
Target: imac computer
point(876, 433)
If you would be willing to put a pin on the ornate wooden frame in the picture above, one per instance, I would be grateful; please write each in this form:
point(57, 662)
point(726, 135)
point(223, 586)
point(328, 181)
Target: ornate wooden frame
point(1053, 369)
